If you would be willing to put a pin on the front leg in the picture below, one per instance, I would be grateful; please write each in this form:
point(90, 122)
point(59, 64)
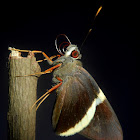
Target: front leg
point(46, 57)
point(34, 51)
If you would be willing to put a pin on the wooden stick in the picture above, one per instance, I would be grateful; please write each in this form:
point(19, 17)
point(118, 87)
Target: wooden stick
point(22, 95)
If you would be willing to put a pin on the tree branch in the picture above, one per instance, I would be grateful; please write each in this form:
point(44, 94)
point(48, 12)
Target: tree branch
point(22, 95)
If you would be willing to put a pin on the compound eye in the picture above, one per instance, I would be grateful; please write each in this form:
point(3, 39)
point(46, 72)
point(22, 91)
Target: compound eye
point(75, 54)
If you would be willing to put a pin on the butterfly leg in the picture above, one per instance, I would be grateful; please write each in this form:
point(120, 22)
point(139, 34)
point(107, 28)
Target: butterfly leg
point(46, 56)
point(47, 94)
point(52, 57)
point(34, 51)
point(44, 72)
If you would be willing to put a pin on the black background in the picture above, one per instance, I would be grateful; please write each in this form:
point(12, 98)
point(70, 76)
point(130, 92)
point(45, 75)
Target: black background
point(109, 54)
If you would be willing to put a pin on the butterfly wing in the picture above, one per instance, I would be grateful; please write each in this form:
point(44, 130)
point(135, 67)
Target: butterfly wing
point(104, 125)
point(77, 100)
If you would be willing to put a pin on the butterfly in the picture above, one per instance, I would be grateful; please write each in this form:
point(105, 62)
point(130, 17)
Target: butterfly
point(81, 106)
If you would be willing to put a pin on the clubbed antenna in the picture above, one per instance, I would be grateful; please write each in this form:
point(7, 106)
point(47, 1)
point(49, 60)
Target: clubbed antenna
point(98, 11)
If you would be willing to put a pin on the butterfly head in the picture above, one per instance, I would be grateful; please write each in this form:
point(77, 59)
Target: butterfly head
point(72, 51)
point(67, 49)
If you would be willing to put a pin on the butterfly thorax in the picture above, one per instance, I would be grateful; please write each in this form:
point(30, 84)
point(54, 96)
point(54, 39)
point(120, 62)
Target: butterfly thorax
point(68, 67)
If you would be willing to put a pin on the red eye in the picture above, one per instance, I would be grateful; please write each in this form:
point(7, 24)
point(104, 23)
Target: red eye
point(74, 54)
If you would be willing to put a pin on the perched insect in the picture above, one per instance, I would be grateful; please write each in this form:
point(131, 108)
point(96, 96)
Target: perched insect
point(81, 106)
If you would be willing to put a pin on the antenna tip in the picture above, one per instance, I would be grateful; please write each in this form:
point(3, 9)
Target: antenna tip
point(98, 11)
point(90, 30)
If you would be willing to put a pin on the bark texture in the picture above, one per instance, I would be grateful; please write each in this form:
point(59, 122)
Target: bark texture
point(22, 95)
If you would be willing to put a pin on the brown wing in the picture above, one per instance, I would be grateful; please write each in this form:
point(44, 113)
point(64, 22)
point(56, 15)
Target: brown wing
point(104, 125)
point(75, 97)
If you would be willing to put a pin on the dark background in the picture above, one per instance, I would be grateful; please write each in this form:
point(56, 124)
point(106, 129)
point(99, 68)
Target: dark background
point(109, 54)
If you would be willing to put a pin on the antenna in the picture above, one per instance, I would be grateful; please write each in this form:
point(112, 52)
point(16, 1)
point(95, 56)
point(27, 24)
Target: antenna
point(98, 11)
